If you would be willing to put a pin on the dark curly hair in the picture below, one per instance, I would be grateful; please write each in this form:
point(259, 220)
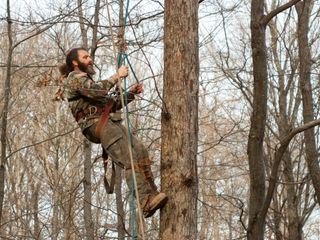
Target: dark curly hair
point(71, 55)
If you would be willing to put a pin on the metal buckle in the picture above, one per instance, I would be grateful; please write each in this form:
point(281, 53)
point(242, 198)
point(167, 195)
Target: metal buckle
point(94, 111)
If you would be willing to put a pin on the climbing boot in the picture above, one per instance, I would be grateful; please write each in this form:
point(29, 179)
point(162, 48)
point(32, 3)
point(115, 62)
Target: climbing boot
point(154, 203)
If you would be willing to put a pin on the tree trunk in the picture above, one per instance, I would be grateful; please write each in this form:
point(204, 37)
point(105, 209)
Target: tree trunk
point(277, 219)
point(259, 201)
point(294, 221)
point(56, 196)
point(87, 200)
point(4, 120)
point(179, 120)
point(118, 181)
point(119, 203)
point(292, 198)
point(83, 30)
point(88, 221)
point(258, 121)
point(303, 10)
point(35, 188)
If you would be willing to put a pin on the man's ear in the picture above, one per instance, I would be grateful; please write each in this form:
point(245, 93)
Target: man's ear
point(75, 63)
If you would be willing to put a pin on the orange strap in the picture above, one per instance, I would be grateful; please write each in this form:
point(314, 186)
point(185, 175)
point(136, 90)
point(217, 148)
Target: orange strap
point(104, 117)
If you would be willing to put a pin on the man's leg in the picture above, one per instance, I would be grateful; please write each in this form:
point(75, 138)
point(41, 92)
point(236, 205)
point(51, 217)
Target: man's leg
point(144, 162)
point(114, 139)
point(156, 200)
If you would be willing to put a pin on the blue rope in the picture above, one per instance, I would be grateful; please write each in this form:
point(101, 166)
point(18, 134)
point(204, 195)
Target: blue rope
point(122, 57)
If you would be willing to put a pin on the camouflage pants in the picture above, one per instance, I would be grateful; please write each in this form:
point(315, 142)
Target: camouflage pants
point(114, 139)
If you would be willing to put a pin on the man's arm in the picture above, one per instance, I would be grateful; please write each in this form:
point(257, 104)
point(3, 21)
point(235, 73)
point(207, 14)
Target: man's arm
point(81, 84)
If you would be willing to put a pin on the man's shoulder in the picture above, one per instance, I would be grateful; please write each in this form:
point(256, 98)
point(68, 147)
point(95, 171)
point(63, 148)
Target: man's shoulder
point(77, 75)
point(76, 78)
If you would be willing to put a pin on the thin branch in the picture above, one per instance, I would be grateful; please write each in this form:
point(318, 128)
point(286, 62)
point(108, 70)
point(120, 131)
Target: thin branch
point(284, 142)
point(38, 143)
point(266, 19)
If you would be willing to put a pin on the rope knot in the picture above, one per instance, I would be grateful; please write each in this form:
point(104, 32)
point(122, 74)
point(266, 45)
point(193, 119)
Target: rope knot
point(121, 42)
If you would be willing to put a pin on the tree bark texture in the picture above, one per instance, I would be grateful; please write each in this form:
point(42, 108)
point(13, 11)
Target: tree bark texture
point(179, 120)
point(258, 122)
point(303, 10)
point(4, 120)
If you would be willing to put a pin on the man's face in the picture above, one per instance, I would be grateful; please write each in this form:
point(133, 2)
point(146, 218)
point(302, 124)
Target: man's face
point(84, 62)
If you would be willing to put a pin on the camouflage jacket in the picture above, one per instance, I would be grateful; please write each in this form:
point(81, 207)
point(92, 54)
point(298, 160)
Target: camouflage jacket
point(83, 93)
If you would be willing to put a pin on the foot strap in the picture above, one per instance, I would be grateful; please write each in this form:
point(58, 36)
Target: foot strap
point(109, 187)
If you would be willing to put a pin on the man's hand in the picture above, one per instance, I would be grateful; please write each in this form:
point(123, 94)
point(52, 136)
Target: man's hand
point(123, 71)
point(136, 88)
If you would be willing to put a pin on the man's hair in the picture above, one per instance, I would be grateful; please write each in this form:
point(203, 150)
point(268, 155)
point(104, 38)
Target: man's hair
point(71, 55)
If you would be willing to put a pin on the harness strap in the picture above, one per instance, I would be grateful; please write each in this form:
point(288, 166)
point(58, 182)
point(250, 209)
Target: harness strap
point(109, 187)
point(104, 117)
point(102, 121)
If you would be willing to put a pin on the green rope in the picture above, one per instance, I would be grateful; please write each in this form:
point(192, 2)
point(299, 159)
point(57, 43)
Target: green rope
point(122, 58)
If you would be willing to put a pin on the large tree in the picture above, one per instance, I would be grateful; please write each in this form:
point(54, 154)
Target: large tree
point(180, 120)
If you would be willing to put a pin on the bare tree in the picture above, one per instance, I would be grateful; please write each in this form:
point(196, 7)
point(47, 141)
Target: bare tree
point(4, 120)
point(303, 9)
point(257, 204)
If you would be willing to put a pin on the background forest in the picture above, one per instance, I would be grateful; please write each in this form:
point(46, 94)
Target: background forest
point(49, 189)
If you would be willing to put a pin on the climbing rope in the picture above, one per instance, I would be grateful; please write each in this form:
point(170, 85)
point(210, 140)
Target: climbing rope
point(117, 64)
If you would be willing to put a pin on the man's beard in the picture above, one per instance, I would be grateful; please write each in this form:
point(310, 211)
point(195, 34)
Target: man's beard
point(86, 68)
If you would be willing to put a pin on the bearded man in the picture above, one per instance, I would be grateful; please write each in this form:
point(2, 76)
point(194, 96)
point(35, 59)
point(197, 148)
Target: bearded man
point(88, 101)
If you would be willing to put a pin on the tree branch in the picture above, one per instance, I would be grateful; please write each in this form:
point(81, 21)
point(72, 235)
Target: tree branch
point(266, 19)
point(40, 142)
point(284, 143)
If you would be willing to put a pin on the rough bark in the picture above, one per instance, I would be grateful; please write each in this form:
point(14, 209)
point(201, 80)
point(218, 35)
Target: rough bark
point(258, 121)
point(179, 120)
point(303, 10)
point(4, 120)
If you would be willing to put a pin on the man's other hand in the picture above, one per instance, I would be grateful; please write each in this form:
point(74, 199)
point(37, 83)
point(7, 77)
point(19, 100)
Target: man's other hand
point(136, 88)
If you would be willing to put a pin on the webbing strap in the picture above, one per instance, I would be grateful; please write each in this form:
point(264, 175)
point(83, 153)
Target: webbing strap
point(104, 117)
point(109, 187)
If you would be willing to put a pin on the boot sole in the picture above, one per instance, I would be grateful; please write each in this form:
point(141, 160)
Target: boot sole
point(157, 206)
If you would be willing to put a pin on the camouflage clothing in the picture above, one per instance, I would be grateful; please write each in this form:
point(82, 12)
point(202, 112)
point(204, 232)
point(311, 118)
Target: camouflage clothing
point(83, 93)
